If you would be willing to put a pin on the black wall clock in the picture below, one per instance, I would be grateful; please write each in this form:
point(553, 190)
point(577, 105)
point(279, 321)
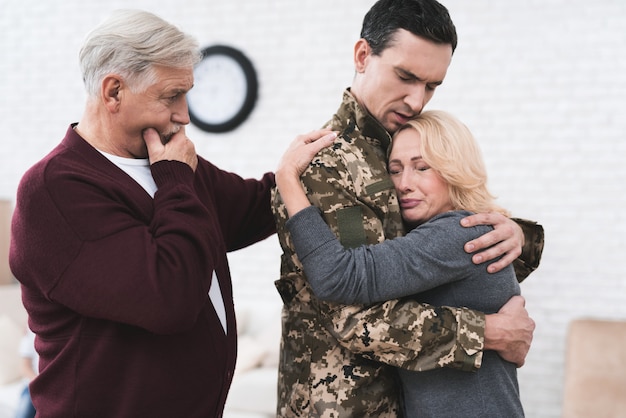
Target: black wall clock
point(225, 89)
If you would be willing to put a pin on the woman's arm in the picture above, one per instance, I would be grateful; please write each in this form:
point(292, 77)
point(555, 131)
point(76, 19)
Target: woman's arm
point(426, 257)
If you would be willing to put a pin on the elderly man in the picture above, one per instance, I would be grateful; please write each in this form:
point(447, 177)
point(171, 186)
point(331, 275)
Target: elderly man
point(120, 236)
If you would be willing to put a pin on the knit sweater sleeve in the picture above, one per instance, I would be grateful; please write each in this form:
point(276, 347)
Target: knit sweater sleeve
point(427, 257)
point(92, 241)
point(242, 205)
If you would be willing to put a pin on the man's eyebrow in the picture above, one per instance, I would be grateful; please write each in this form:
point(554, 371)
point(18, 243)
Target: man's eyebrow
point(409, 74)
point(176, 91)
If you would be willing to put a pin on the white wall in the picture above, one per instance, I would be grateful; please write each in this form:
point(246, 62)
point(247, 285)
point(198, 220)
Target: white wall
point(542, 84)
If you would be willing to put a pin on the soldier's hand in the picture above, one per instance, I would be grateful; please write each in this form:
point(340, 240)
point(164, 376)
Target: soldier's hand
point(506, 240)
point(510, 331)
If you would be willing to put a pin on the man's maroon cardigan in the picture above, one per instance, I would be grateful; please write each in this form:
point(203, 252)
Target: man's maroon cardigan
point(115, 283)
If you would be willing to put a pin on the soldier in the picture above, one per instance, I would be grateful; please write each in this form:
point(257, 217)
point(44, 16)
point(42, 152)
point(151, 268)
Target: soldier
point(335, 359)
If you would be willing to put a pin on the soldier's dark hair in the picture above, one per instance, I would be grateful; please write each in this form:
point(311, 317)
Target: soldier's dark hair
point(424, 18)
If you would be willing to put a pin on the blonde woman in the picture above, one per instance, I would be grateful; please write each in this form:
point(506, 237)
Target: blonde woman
point(440, 178)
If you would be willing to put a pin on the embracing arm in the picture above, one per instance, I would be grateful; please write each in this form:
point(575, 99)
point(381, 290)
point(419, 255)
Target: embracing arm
point(510, 331)
point(532, 249)
point(399, 332)
point(340, 274)
point(411, 335)
point(518, 241)
point(402, 333)
point(429, 256)
point(293, 162)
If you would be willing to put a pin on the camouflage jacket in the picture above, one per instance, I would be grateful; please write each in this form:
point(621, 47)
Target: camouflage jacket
point(336, 360)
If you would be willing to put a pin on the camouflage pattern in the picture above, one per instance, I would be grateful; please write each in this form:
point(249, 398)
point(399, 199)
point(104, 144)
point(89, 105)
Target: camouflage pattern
point(532, 250)
point(336, 360)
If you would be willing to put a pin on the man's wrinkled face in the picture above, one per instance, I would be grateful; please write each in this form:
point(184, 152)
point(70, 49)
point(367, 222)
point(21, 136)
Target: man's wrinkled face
point(161, 106)
point(396, 85)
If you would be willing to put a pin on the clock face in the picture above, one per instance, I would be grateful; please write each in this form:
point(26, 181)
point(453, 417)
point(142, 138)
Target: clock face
point(225, 90)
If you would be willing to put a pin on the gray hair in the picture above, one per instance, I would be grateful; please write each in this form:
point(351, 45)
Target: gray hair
point(130, 43)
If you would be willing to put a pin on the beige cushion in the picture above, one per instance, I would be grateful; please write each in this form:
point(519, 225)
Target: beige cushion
point(11, 304)
point(6, 209)
point(595, 370)
point(10, 336)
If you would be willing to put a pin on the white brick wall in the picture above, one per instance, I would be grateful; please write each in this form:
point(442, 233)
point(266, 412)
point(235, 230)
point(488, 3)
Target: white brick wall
point(542, 84)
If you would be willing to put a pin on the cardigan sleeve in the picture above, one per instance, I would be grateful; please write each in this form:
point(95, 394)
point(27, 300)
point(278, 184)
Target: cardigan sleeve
point(94, 242)
point(242, 205)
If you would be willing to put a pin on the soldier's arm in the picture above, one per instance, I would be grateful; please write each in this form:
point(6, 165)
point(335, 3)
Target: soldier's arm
point(402, 333)
point(510, 331)
point(416, 336)
point(529, 260)
point(518, 241)
point(408, 334)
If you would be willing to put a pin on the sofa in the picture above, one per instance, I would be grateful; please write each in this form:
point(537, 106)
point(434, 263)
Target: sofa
point(252, 394)
point(595, 369)
point(12, 327)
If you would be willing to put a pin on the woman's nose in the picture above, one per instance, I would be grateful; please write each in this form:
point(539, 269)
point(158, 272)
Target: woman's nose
point(406, 182)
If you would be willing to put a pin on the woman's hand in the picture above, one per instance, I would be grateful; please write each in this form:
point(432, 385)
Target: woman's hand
point(293, 163)
point(302, 150)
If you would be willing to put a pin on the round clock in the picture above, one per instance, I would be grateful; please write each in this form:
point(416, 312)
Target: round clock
point(225, 89)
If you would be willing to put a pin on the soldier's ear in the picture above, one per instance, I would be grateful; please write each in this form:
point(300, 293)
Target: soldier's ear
point(362, 51)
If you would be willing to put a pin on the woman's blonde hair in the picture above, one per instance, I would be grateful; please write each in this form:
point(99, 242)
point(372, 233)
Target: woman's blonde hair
point(449, 148)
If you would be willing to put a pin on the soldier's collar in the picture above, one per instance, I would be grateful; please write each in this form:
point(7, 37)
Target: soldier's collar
point(367, 124)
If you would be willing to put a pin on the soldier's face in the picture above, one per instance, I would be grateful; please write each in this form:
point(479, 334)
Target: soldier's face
point(396, 85)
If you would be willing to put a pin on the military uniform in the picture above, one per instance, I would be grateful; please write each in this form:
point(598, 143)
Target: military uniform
point(336, 360)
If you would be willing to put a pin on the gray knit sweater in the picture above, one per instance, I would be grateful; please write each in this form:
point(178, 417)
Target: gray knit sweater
point(429, 265)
